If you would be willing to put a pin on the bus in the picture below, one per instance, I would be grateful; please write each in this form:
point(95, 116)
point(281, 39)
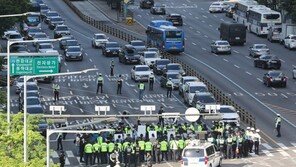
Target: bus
point(261, 19)
point(163, 35)
point(31, 20)
point(241, 11)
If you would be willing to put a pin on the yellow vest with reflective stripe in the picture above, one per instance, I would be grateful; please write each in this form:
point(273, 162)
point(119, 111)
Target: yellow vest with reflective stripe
point(88, 148)
point(141, 86)
point(104, 147)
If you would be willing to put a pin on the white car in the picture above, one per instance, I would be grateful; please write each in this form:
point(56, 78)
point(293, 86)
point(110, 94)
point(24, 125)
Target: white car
point(290, 42)
point(220, 47)
point(217, 7)
point(19, 82)
point(10, 31)
point(15, 36)
point(229, 115)
point(99, 40)
point(184, 80)
point(191, 88)
point(149, 58)
point(140, 73)
point(44, 47)
point(200, 154)
point(40, 36)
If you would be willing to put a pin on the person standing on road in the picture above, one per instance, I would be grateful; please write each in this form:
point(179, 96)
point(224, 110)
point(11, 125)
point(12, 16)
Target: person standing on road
point(56, 91)
point(60, 141)
point(112, 68)
point(278, 121)
point(164, 150)
point(170, 87)
point(100, 82)
point(81, 147)
point(119, 84)
point(229, 153)
point(88, 150)
point(62, 159)
point(151, 81)
point(77, 143)
point(257, 141)
point(251, 143)
point(104, 150)
point(160, 119)
point(141, 87)
point(96, 152)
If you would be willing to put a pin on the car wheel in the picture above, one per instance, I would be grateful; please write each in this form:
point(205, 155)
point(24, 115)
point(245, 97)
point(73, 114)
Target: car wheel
point(132, 77)
point(293, 75)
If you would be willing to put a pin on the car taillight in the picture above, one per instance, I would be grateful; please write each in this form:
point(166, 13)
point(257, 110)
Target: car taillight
point(270, 79)
point(206, 160)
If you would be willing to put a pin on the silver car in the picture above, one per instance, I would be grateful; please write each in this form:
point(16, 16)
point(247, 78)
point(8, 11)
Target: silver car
point(220, 47)
point(140, 73)
point(184, 80)
point(256, 50)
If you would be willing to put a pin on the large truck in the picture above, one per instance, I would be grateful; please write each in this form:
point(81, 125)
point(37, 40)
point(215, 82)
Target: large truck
point(278, 34)
point(234, 33)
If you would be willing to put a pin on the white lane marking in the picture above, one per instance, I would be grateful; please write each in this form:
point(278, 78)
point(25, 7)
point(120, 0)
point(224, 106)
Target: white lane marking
point(90, 60)
point(248, 57)
point(70, 154)
point(236, 66)
point(147, 14)
point(294, 151)
point(283, 146)
point(86, 54)
point(273, 88)
point(81, 34)
point(65, 63)
point(294, 66)
point(210, 25)
point(54, 154)
point(222, 19)
point(198, 32)
point(68, 70)
point(202, 8)
point(44, 107)
point(267, 153)
point(191, 27)
point(130, 106)
point(215, 54)
point(259, 79)
point(203, 21)
point(139, 15)
point(190, 14)
point(69, 84)
point(225, 60)
point(67, 162)
point(284, 95)
point(205, 36)
point(204, 16)
point(81, 110)
point(248, 73)
point(135, 90)
point(114, 105)
point(196, 17)
point(185, 39)
point(71, 92)
point(294, 144)
point(285, 154)
point(203, 48)
point(282, 60)
point(193, 43)
point(214, 15)
point(75, 101)
point(267, 146)
point(235, 51)
point(237, 85)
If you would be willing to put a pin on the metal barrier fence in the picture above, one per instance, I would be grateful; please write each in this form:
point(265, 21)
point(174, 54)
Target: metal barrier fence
point(245, 116)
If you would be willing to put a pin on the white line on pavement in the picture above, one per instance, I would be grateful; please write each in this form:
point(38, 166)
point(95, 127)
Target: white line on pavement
point(284, 95)
point(205, 36)
point(215, 54)
point(283, 146)
point(70, 154)
point(196, 17)
point(294, 144)
point(86, 54)
point(204, 16)
point(225, 60)
point(191, 27)
point(68, 70)
point(294, 66)
point(259, 79)
point(214, 15)
point(75, 101)
point(273, 88)
point(248, 57)
point(69, 84)
point(193, 43)
point(139, 15)
point(222, 19)
point(71, 92)
point(203, 21)
point(267, 146)
point(236, 66)
point(54, 154)
point(81, 110)
point(198, 32)
point(135, 90)
point(285, 154)
point(44, 107)
point(114, 105)
point(235, 51)
point(190, 14)
point(248, 73)
point(202, 8)
point(65, 63)
point(67, 162)
point(282, 60)
point(210, 25)
point(267, 153)
point(203, 48)
point(90, 60)
point(130, 106)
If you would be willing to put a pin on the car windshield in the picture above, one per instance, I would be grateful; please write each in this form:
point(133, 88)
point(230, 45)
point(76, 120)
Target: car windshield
point(194, 89)
point(130, 51)
point(206, 99)
point(153, 49)
point(33, 30)
point(112, 45)
point(47, 46)
point(190, 80)
point(56, 19)
point(174, 67)
point(223, 43)
point(43, 7)
point(62, 28)
point(173, 34)
point(31, 87)
point(194, 153)
point(174, 76)
point(150, 55)
point(163, 62)
point(142, 69)
point(158, 5)
point(100, 36)
point(52, 14)
point(33, 101)
point(15, 36)
point(18, 49)
point(40, 36)
point(227, 110)
point(138, 43)
point(276, 74)
point(215, 4)
point(74, 49)
point(72, 42)
point(35, 110)
point(261, 47)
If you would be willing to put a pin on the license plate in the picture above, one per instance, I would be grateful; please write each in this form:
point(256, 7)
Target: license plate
point(73, 57)
point(273, 61)
point(134, 60)
point(114, 52)
point(277, 79)
point(175, 22)
point(237, 37)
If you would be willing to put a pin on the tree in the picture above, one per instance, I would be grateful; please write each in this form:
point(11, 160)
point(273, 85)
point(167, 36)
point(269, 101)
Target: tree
point(290, 7)
point(11, 147)
point(12, 7)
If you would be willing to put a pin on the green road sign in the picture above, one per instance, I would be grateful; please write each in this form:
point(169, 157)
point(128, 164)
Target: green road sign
point(25, 65)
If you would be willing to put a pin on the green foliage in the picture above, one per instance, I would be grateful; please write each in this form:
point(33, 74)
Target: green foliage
point(290, 7)
point(12, 7)
point(11, 147)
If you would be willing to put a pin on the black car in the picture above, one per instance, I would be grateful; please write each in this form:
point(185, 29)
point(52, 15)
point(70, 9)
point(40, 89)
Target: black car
point(74, 53)
point(146, 4)
point(158, 9)
point(129, 55)
point(61, 30)
point(63, 41)
point(176, 19)
point(110, 49)
point(267, 62)
point(49, 15)
point(275, 78)
point(54, 21)
point(70, 42)
point(159, 65)
point(30, 32)
point(19, 48)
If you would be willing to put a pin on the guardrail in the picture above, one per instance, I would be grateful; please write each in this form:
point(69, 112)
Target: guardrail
point(245, 116)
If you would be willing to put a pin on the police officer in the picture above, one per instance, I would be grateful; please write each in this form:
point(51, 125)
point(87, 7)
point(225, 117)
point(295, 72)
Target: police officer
point(56, 89)
point(88, 148)
point(60, 141)
point(111, 147)
point(222, 146)
point(170, 87)
point(62, 159)
point(136, 150)
point(112, 68)
point(104, 150)
point(96, 152)
point(141, 87)
point(151, 81)
point(278, 121)
point(100, 82)
point(229, 147)
point(128, 152)
point(119, 84)
point(141, 143)
point(181, 145)
point(251, 143)
point(257, 141)
point(164, 150)
point(157, 152)
point(160, 119)
point(148, 147)
point(173, 149)
point(239, 146)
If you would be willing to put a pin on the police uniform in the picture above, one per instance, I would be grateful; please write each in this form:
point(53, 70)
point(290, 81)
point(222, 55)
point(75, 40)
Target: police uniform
point(119, 84)
point(128, 153)
point(229, 147)
point(112, 68)
point(88, 149)
point(257, 141)
point(56, 90)
point(151, 81)
point(170, 87)
point(142, 149)
point(104, 151)
point(141, 90)
point(164, 150)
point(96, 152)
point(100, 82)
point(278, 121)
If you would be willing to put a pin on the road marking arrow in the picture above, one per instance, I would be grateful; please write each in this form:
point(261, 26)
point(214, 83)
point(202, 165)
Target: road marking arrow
point(85, 86)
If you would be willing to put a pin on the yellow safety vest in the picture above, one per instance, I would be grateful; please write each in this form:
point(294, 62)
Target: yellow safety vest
point(88, 148)
point(141, 86)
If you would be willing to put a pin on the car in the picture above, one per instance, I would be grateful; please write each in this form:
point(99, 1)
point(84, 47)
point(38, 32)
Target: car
point(267, 62)
point(49, 15)
point(149, 58)
point(174, 67)
point(175, 18)
point(290, 42)
point(175, 78)
point(158, 9)
point(220, 47)
point(184, 80)
point(110, 49)
point(63, 41)
point(43, 10)
point(47, 79)
point(19, 48)
point(146, 4)
point(29, 94)
point(19, 83)
point(40, 36)
point(35, 110)
point(15, 36)
point(294, 73)
point(201, 99)
point(54, 21)
point(30, 87)
point(74, 53)
point(61, 30)
point(31, 31)
point(140, 73)
point(128, 54)
point(99, 40)
point(32, 101)
point(229, 115)
point(217, 7)
point(190, 88)
point(154, 50)
point(44, 47)
point(273, 78)
point(138, 45)
point(159, 65)
point(9, 31)
point(229, 11)
point(70, 42)
point(256, 50)
point(201, 154)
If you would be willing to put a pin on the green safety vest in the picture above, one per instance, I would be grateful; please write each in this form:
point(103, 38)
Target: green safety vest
point(199, 128)
point(111, 147)
point(148, 146)
point(100, 80)
point(181, 144)
point(100, 140)
point(104, 147)
point(125, 145)
point(240, 139)
point(169, 84)
point(88, 148)
point(96, 147)
point(229, 140)
point(163, 146)
point(119, 146)
point(55, 87)
point(141, 86)
point(142, 145)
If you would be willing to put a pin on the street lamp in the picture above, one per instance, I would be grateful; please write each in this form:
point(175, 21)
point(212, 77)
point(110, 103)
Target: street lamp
point(18, 15)
point(26, 78)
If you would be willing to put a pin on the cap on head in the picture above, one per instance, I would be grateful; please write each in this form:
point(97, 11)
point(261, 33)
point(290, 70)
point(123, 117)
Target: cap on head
point(257, 130)
point(170, 78)
point(252, 129)
point(248, 128)
point(100, 74)
point(278, 115)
